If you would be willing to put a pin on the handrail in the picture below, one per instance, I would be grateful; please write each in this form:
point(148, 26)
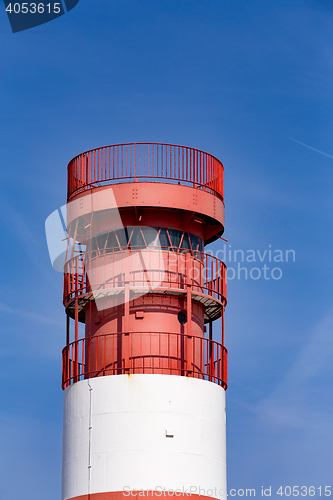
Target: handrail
point(145, 353)
point(147, 162)
point(167, 269)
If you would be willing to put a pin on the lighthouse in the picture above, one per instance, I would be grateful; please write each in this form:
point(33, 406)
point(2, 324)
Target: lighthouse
point(144, 380)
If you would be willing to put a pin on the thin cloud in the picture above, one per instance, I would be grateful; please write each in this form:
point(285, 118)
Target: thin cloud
point(30, 242)
point(313, 149)
point(33, 317)
point(289, 404)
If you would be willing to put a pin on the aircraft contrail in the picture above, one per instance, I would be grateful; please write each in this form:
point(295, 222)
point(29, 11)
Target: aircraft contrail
point(313, 149)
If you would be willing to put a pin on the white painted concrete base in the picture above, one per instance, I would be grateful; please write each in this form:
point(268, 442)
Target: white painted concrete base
point(144, 432)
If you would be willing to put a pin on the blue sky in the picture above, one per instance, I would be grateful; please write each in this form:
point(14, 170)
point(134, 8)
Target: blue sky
point(237, 79)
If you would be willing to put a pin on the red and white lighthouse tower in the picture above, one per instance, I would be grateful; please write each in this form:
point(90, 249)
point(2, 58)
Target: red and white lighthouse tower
point(144, 381)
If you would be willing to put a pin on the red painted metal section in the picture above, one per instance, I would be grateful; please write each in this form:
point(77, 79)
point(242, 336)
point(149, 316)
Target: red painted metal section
point(145, 352)
point(137, 494)
point(131, 312)
point(148, 204)
point(205, 273)
point(145, 161)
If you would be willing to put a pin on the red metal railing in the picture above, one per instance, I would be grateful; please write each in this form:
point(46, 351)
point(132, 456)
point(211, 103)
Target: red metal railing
point(103, 270)
point(149, 353)
point(145, 161)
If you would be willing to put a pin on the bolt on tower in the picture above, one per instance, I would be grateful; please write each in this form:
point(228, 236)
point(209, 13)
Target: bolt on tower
point(144, 382)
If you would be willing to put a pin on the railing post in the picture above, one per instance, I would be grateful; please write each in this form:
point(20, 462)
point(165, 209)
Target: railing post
point(63, 369)
point(76, 355)
point(125, 344)
point(67, 329)
point(127, 296)
point(65, 356)
point(210, 350)
point(190, 360)
point(224, 367)
point(126, 352)
point(88, 357)
point(224, 288)
point(222, 326)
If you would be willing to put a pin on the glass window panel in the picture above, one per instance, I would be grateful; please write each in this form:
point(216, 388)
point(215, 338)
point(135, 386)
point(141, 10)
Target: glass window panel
point(101, 240)
point(136, 239)
point(93, 244)
point(186, 242)
point(175, 236)
point(150, 234)
point(164, 240)
point(112, 240)
point(123, 235)
point(194, 241)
